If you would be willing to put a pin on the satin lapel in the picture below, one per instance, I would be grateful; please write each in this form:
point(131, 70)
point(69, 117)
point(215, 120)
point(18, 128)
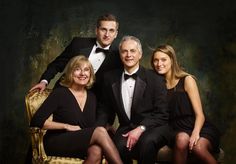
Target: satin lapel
point(139, 89)
point(106, 62)
point(86, 51)
point(116, 88)
point(110, 58)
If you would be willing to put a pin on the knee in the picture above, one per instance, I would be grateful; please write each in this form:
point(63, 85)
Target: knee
point(199, 149)
point(101, 131)
point(181, 142)
point(202, 147)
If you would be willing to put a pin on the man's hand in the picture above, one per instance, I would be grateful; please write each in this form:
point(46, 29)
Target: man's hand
point(41, 86)
point(133, 137)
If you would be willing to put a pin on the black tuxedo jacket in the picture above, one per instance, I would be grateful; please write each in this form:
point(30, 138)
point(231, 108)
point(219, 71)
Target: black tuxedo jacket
point(149, 106)
point(83, 46)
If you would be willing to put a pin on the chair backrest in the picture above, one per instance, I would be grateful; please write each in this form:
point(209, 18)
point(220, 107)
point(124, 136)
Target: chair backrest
point(34, 100)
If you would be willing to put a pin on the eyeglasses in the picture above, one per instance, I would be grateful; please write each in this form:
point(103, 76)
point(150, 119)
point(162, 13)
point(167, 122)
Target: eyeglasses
point(85, 69)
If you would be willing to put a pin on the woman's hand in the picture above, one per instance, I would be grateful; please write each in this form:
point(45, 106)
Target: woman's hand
point(52, 125)
point(193, 140)
point(69, 127)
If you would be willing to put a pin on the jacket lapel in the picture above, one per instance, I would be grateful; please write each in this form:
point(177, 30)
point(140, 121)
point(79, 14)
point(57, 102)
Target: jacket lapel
point(117, 92)
point(139, 90)
point(116, 88)
point(140, 87)
point(86, 51)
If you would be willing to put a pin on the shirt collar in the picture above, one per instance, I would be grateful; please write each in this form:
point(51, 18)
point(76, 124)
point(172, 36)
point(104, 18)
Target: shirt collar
point(136, 70)
point(98, 45)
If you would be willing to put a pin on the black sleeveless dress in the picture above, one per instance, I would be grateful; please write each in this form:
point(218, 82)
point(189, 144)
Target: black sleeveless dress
point(182, 117)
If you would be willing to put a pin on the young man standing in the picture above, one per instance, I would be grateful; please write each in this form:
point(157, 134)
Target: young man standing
point(101, 53)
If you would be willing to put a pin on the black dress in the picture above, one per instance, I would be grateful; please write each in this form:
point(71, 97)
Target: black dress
point(65, 109)
point(182, 117)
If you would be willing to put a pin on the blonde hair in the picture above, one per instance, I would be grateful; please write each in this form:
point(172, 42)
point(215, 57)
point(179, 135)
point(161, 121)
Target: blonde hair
point(176, 70)
point(74, 63)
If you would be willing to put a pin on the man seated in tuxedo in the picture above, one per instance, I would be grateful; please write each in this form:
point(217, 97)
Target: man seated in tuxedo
point(101, 53)
point(138, 97)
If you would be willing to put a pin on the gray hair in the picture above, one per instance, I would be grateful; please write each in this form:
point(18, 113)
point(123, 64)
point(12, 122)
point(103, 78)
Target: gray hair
point(128, 37)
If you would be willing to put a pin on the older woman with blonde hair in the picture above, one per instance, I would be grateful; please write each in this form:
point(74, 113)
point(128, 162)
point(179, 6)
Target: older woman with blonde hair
point(72, 132)
point(194, 133)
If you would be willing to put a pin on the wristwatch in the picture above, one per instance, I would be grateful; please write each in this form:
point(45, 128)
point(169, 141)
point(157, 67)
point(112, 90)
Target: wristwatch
point(142, 127)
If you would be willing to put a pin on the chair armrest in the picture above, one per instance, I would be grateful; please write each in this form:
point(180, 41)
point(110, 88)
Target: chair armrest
point(37, 144)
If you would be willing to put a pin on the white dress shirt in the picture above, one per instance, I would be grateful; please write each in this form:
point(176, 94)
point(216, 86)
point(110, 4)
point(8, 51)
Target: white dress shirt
point(127, 92)
point(97, 59)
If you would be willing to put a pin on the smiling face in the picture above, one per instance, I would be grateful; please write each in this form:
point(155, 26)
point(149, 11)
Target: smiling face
point(81, 74)
point(106, 32)
point(162, 63)
point(130, 55)
point(78, 73)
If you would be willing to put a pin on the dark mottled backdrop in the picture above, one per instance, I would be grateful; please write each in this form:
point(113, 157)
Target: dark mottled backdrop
point(33, 32)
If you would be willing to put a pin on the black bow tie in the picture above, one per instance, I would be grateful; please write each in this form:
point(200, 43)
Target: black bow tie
point(134, 76)
point(105, 51)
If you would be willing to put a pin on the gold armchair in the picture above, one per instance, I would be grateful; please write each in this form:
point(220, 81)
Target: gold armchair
point(33, 100)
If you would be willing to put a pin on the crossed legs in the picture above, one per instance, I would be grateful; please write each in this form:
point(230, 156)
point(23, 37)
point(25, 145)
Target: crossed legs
point(94, 155)
point(102, 143)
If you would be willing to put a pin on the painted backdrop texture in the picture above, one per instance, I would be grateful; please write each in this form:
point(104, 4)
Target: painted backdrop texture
point(33, 33)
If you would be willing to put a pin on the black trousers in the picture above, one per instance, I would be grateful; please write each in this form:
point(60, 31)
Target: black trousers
point(145, 150)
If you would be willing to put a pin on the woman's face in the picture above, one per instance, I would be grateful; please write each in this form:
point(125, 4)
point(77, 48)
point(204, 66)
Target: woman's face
point(81, 75)
point(162, 63)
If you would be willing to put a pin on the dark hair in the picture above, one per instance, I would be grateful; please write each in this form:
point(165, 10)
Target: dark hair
point(107, 17)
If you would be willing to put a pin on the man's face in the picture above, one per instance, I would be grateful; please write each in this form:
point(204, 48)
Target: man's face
point(130, 55)
point(106, 33)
